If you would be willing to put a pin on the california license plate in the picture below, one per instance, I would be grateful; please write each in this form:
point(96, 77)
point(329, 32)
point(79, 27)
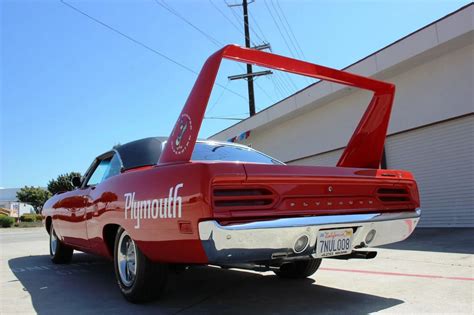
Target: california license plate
point(334, 242)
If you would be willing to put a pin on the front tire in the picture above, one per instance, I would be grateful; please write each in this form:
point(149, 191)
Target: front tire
point(59, 253)
point(139, 279)
point(299, 269)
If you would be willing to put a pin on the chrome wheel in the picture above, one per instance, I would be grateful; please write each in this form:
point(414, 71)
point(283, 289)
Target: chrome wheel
point(126, 259)
point(53, 241)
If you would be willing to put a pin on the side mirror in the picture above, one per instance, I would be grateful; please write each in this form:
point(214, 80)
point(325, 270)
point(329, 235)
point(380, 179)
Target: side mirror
point(76, 181)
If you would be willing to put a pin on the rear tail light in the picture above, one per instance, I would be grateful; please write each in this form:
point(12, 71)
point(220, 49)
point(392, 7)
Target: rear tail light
point(393, 195)
point(243, 198)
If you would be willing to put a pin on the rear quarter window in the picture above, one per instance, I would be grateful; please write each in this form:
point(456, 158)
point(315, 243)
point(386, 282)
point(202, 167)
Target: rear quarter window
point(225, 152)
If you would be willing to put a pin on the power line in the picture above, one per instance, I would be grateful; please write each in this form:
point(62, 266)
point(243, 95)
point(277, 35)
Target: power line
point(285, 77)
point(258, 27)
point(216, 42)
point(276, 89)
point(276, 74)
point(227, 18)
point(284, 39)
point(251, 28)
point(282, 86)
point(218, 99)
point(300, 54)
point(285, 30)
point(277, 85)
point(240, 31)
point(240, 23)
point(246, 113)
point(164, 5)
point(291, 31)
point(236, 17)
point(245, 36)
point(225, 118)
point(273, 79)
point(209, 37)
point(143, 45)
point(253, 43)
point(249, 76)
point(278, 28)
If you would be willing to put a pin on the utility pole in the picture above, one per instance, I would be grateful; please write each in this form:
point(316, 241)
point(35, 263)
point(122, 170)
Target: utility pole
point(249, 66)
point(249, 76)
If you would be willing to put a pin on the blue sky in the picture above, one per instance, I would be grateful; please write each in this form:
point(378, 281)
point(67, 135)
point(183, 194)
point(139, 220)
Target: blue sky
point(71, 88)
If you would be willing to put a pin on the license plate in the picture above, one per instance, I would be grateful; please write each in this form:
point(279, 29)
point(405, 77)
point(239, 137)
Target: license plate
point(334, 242)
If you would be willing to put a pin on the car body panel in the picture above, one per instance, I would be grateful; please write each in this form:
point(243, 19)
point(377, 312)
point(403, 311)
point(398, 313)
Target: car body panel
point(165, 240)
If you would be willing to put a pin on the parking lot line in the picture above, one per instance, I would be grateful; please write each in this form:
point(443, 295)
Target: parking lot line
point(397, 274)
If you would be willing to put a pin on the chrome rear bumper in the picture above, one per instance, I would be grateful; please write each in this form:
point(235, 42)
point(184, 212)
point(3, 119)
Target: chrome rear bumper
point(274, 239)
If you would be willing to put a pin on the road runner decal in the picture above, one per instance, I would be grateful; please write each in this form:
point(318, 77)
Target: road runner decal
point(162, 208)
point(181, 136)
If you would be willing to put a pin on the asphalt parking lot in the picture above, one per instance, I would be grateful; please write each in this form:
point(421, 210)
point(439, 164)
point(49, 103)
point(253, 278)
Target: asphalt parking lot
point(432, 272)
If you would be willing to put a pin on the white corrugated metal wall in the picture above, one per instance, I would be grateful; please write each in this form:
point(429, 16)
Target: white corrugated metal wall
point(441, 156)
point(323, 159)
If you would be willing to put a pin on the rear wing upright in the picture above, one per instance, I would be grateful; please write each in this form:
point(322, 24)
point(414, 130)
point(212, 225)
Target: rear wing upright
point(365, 148)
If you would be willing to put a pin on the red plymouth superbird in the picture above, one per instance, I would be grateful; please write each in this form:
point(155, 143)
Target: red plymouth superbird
point(150, 204)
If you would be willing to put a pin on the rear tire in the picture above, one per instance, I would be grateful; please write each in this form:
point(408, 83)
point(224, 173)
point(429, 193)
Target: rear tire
point(139, 279)
point(59, 253)
point(298, 269)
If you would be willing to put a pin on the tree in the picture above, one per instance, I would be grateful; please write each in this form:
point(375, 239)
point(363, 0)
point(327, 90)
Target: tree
point(34, 196)
point(62, 183)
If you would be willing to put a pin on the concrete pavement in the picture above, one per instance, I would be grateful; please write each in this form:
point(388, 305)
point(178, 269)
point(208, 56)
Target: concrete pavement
point(431, 272)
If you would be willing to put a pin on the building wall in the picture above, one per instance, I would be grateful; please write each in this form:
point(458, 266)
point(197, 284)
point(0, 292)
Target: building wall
point(441, 157)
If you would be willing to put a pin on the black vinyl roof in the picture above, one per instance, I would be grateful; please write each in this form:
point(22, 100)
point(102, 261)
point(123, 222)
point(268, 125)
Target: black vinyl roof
point(147, 151)
point(141, 152)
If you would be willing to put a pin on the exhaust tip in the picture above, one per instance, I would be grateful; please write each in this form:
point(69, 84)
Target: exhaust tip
point(301, 244)
point(370, 237)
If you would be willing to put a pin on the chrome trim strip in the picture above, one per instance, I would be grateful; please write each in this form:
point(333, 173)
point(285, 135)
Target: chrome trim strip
point(323, 220)
point(260, 241)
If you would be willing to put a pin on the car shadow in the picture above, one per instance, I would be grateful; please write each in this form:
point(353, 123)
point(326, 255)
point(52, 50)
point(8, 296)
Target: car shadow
point(88, 286)
point(444, 240)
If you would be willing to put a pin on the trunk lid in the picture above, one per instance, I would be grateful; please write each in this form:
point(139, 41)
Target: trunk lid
point(270, 191)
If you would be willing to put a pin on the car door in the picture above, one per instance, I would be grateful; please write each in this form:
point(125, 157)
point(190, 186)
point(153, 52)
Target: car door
point(102, 198)
point(70, 219)
point(77, 205)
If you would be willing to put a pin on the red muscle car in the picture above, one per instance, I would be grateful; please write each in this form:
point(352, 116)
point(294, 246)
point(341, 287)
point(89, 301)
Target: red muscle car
point(152, 204)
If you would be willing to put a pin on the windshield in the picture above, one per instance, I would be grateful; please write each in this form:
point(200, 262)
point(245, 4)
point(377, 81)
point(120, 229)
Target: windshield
point(209, 151)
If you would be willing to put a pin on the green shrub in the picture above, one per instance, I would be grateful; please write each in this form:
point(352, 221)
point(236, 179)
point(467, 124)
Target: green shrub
point(28, 224)
point(39, 217)
point(6, 221)
point(28, 217)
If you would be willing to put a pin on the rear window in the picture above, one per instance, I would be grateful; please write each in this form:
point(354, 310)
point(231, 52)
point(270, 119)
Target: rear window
point(223, 152)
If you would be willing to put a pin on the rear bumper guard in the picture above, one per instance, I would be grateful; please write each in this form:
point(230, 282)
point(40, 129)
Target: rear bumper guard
point(275, 239)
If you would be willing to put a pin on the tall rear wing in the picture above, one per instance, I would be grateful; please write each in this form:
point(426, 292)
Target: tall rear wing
point(365, 148)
